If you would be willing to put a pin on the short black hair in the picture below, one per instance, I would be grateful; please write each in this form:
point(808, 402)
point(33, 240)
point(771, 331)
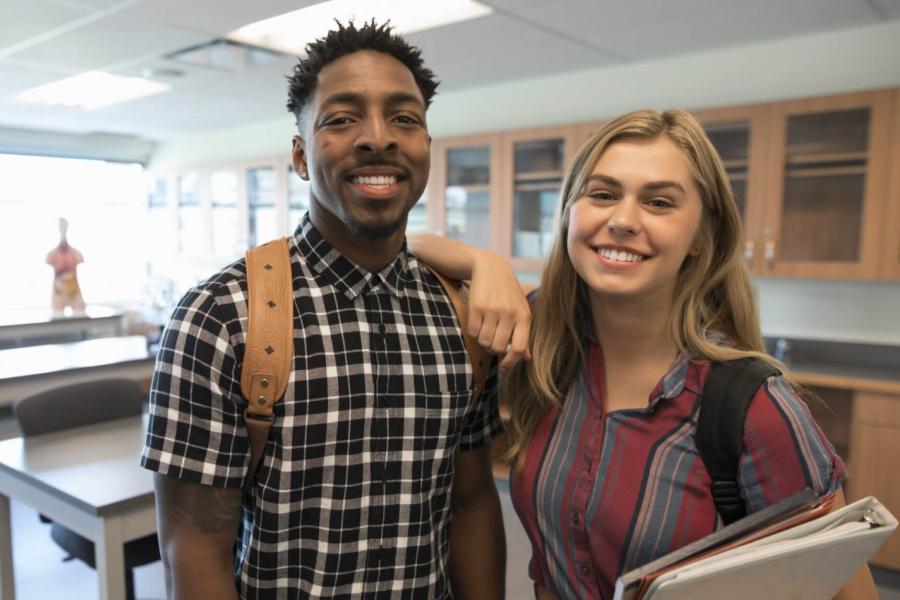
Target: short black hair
point(347, 39)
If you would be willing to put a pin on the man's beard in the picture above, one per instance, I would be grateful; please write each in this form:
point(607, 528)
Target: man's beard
point(375, 232)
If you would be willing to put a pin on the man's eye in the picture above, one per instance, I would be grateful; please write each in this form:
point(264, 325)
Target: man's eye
point(407, 120)
point(337, 121)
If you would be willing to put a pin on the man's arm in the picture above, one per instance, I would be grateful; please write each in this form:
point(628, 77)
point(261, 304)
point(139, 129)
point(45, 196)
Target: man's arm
point(499, 316)
point(197, 527)
point(477, 540)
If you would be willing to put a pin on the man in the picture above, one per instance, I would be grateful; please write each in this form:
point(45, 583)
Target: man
point(375, 443)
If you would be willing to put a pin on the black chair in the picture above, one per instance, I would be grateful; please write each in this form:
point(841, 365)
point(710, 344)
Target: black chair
point(76, 405)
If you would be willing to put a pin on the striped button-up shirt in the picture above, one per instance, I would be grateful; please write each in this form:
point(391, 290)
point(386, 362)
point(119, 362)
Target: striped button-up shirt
point(604, 492)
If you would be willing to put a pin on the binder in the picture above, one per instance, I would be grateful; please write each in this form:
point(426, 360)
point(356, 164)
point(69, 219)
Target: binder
point(797, 549)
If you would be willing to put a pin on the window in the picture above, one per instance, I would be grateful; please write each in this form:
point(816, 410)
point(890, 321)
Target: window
point(261, 196)
point(106, 206)
point(223, 191)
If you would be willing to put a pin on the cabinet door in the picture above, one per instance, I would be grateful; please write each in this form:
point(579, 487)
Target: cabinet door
point(877, 461)
point(739, 135)
point(891, 259)
point(827, 172)
point(464, 189)
point(534, 165)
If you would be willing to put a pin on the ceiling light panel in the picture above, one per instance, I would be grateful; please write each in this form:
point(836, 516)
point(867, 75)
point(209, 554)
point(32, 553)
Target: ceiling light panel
point(90, 90)
point(291, 31)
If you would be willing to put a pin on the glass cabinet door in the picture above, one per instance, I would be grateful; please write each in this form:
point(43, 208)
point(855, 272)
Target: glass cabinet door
point(537, 178)
point(533, 172)
point(732, 141)
point(467, 195)
point(738, 135)
point(827, 186)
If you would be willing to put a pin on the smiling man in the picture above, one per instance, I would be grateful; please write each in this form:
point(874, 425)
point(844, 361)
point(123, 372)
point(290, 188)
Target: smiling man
point(376, 446)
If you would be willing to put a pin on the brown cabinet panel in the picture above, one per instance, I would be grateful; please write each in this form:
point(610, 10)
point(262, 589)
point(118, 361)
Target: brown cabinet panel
point(826, 181)
point(876, 463)
point(739, 134)
point(833, 411)
point(891, 258)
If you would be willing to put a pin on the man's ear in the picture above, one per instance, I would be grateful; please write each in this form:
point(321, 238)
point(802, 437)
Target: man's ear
point(298, 157)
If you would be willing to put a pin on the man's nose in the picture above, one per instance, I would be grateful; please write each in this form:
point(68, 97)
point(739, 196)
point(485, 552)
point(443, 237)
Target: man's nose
point(376, 136)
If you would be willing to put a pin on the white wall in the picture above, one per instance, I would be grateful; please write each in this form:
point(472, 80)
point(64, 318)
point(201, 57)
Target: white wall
point(857, 59)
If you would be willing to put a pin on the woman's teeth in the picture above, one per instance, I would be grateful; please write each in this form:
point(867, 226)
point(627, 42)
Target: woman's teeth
point(619, 255)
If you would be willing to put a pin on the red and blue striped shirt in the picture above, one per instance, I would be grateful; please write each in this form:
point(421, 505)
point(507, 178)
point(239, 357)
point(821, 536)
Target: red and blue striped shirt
point(603, 493)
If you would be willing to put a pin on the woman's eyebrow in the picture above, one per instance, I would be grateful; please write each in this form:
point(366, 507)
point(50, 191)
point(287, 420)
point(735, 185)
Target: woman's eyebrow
point(658, 185)
point(611, 181)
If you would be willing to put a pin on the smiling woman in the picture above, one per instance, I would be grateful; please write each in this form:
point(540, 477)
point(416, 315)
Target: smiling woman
point(103, 203)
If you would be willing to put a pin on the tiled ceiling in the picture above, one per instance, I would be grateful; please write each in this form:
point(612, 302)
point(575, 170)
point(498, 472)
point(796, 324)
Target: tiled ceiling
point(44, 40)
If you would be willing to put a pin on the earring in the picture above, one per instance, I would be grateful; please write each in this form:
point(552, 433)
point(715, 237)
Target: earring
point(304, 175)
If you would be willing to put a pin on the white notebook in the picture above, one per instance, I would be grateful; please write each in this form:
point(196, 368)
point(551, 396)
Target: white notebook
point(809, 561)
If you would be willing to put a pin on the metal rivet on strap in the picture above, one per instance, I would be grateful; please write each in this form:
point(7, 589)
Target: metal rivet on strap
point(268, 267)
point(269, 349)
point(261, 400)
point(264, 383)
point(271, 303)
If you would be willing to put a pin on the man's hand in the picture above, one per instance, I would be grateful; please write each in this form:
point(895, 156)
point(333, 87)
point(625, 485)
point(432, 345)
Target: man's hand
point(499, 315)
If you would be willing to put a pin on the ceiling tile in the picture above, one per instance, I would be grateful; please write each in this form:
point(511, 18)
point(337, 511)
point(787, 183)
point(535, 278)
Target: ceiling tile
point(743, 23)
point(548, 57)
point(891, 8)
point(21, 20)
point(111, 40)
point(15, 78)
point(215, 17)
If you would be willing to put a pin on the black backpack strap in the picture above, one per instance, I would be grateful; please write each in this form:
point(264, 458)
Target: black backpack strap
point(729, 388)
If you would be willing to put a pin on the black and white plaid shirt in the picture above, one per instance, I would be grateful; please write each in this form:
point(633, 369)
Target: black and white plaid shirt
point(353, 492)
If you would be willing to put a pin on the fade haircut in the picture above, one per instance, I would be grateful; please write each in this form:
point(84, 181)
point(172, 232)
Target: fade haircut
point(347, 39)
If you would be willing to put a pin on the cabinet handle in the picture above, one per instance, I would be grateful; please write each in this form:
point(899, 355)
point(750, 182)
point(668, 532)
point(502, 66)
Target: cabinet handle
point(749, 251)
point(770, 253)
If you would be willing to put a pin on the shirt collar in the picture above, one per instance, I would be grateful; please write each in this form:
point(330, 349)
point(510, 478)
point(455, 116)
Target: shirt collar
point(339, 271)
point(682, 375)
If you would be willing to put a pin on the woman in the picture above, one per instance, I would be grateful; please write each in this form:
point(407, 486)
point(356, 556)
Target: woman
point(644, 286)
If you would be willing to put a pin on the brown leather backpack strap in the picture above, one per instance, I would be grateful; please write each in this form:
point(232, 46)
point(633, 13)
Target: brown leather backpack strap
point(269, 349)
point(478, 356)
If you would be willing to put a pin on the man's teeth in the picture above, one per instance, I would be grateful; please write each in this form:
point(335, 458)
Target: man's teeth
point(619, 255)
point(377, 180)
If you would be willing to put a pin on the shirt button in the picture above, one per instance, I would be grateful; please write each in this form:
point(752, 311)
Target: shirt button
point(576, 520)
point(585, 570)
point(381, 328)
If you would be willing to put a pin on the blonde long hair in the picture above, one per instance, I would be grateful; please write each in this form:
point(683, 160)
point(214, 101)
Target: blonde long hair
point(712, 291)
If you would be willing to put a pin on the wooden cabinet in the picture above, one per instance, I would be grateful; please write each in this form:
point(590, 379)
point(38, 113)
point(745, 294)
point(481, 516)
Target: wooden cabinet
point(534, 162)
point(739, 135)
point(465, 189)
point(817, 183)
point(825, 186)
point(891, 258)
point(876, 461)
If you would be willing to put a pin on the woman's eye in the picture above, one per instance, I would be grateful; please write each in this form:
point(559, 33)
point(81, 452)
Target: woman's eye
point(660, 203)
point(601, 195)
